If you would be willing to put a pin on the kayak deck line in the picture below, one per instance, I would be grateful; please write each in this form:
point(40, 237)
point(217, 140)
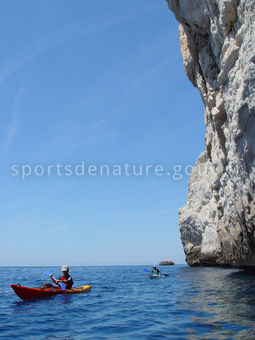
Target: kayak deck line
point(28, 293)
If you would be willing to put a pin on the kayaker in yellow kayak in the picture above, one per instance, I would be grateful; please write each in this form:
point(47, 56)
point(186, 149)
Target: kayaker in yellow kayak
point(66, 278)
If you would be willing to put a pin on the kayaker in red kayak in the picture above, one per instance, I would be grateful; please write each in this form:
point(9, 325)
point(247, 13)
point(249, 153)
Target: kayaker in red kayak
point(65, 278)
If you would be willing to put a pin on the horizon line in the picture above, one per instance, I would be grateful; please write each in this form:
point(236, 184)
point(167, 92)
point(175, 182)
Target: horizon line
point(96, 265)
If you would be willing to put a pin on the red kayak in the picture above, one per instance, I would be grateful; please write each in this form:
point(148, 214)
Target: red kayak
point(28, 293)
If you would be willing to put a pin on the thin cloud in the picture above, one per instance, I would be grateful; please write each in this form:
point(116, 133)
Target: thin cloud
point(134, 214)
point(182, 130)
point(56, 228)
point(149, 73)
point(111, 102)
point(73, 136)
point(61, 37)
point(144, 213)
point(33, 224)
point(14, 122)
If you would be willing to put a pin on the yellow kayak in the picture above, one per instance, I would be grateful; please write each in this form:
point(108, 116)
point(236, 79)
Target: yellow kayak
point(78, 290)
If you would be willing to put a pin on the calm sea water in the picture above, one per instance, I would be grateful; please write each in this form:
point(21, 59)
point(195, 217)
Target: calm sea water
point(191, 303)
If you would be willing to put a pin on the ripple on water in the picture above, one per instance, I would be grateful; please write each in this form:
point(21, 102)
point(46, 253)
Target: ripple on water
point(191, 303)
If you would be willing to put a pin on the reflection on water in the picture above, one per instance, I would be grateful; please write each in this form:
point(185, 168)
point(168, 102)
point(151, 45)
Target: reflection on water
point(191, 303)
point(221, 300)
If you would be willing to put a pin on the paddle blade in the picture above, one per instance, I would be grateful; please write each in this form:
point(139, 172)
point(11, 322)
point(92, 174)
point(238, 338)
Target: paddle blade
point(146, 270)
point(62, 285)
point(47, 272)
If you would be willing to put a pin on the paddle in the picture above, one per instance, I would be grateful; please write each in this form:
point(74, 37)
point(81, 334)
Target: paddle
point(61, 284)
point(148, 271)
point(47, 272)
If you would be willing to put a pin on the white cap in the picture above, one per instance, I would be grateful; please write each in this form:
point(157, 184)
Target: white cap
point(65, 268)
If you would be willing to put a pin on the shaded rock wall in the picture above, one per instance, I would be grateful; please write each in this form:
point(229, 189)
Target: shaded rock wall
point(218, 47)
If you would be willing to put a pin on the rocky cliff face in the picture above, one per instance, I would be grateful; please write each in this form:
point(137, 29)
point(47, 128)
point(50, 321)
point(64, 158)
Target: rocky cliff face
point(218, 47)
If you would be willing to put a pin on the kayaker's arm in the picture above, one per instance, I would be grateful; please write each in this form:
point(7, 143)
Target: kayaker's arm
point(54, 280)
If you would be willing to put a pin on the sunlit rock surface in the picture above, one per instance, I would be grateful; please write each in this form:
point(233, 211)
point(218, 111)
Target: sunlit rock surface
point(218, 47)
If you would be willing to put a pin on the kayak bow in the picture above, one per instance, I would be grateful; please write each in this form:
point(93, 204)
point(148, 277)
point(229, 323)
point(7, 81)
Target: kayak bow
point(28, 293)
point(155, 276)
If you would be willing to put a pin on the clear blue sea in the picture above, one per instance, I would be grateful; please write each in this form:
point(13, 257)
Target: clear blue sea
point(124, 303)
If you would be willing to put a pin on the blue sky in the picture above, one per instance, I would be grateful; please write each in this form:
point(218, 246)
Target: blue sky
point(100, 82)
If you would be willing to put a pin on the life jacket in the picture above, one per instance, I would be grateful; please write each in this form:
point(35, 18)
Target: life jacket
point(69, 280)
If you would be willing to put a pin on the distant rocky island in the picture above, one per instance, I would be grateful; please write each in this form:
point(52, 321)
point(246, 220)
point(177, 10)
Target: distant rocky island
point(217, 44)
point(166, 263)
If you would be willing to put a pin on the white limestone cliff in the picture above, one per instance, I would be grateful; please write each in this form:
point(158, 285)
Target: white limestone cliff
point(217, 39)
